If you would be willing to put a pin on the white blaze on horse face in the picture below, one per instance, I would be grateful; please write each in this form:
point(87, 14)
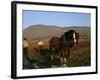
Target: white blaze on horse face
point(74, 37)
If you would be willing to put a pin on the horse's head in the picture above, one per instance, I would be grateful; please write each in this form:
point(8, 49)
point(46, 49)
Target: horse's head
point(71, 38)
point(75, 38)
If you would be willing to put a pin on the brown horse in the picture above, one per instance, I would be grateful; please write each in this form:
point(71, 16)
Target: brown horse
point(54, 46)
point(70, 39)
point(59, 46)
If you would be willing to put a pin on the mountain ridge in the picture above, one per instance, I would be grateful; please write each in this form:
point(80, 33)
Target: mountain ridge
point(41, 31)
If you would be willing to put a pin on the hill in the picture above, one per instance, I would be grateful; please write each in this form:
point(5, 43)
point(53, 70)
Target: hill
point(45, 31)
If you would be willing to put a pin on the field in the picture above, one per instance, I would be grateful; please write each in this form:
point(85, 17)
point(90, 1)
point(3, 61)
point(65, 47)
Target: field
point(79, 56)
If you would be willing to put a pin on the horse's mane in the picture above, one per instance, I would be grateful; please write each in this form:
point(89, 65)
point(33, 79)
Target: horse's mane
point(68, 38)
point(71, 30)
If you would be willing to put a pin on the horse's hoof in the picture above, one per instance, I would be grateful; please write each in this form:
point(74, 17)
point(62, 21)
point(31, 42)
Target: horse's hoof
point(64, 65)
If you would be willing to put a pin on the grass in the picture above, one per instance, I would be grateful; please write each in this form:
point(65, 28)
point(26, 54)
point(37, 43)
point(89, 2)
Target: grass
point(79, 56)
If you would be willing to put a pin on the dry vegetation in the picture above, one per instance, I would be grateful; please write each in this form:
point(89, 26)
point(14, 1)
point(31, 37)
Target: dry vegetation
point(79, 56)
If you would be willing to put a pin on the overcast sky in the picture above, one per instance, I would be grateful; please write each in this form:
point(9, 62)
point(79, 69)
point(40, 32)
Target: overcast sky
point(62, 19)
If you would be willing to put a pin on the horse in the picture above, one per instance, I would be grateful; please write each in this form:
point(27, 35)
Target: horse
point(70, 39)
point(60, 45)
point(54, 46)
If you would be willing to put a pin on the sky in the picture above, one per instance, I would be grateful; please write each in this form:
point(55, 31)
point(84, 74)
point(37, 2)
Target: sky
point(61, 19)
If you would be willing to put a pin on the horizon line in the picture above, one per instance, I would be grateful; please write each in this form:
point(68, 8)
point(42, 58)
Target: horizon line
point(56, 26)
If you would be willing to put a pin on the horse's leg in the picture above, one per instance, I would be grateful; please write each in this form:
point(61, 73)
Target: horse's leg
point(66, 56)
point(51, 50)
point(68, 53)
point(52, 56)
point(61, 60)
point(57, 53)
point(62, 57)
point(60, 53)
point(52, 59)
point(65, 59)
